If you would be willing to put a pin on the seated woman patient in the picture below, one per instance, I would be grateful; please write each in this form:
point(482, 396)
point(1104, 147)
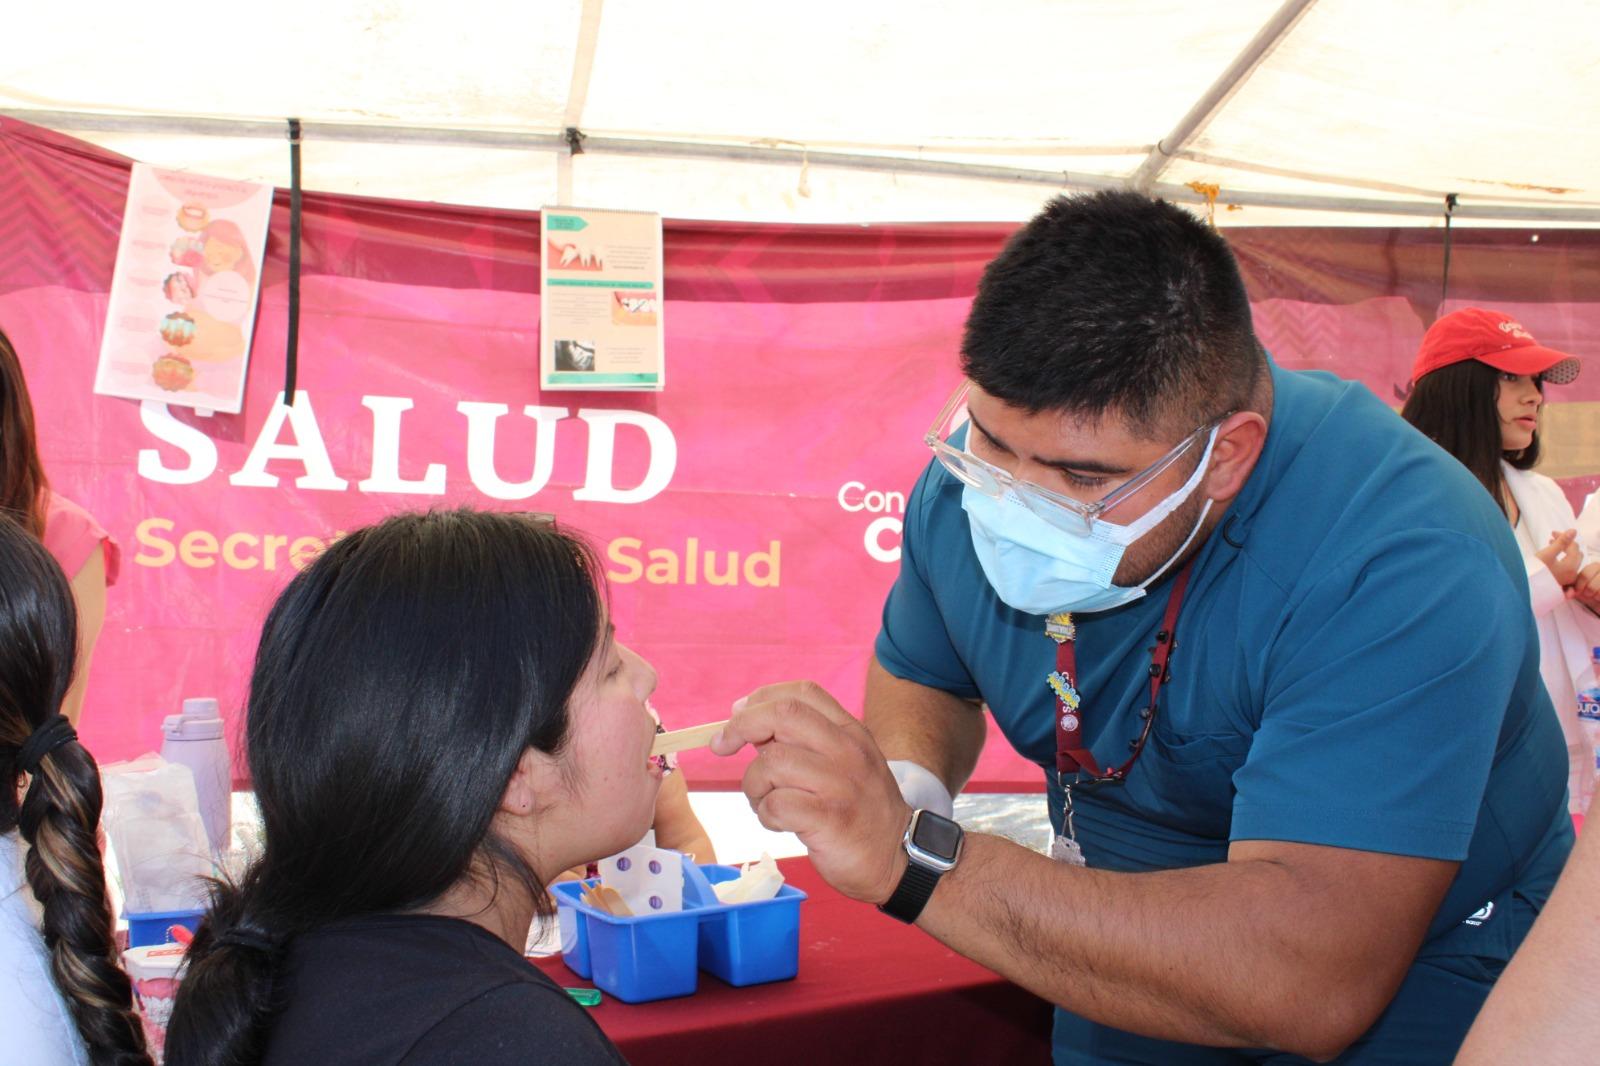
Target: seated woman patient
point(440, 721)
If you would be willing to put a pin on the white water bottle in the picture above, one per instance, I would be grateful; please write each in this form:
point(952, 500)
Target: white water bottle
point(1589, 706)
point(195, 739)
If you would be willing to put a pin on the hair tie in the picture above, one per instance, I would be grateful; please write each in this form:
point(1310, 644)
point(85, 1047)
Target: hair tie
point(250, 938)
point(55, 732)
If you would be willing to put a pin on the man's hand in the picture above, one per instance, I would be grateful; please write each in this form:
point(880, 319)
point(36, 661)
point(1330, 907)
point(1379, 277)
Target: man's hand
point(818, 774)
point(1562, 556)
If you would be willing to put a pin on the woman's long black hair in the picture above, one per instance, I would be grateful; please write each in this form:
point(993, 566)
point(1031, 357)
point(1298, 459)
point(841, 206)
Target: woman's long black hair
point(1455, 407)
point(399, 679)
point(60, 812)
point(22, 480)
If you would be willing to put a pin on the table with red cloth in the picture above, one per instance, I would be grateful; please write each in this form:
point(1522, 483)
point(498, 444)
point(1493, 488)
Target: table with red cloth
point(869, 990)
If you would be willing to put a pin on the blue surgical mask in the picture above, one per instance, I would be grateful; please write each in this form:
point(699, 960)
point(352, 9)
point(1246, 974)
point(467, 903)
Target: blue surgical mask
point(1038, 568)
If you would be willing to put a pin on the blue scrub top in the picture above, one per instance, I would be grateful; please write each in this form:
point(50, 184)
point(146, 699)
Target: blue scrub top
point(1356, 666)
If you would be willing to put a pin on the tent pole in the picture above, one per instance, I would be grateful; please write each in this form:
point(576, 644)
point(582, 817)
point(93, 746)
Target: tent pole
point(578, 93)
point(1064, 180)
point(1056, 180)
point(347, 132)
point(1216, 98)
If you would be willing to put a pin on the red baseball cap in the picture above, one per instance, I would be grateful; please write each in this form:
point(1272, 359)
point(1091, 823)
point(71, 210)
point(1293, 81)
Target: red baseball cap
point(1495, 339)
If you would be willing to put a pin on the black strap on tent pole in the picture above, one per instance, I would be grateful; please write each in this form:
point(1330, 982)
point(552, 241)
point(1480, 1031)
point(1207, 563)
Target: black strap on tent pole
point(1444, 282)
point(292, 355)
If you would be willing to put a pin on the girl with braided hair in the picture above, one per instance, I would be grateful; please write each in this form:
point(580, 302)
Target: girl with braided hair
point(63, 998)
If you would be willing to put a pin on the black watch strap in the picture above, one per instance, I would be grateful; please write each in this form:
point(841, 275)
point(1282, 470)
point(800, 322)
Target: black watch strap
point(911, 895)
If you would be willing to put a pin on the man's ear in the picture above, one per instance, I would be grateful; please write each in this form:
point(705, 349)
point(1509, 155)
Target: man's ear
point(1240, 438)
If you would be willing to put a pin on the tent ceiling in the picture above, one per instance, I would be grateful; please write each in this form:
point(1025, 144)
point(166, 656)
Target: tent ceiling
point(849, 111)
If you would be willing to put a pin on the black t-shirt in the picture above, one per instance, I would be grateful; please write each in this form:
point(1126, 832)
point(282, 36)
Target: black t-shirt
point(419, 990)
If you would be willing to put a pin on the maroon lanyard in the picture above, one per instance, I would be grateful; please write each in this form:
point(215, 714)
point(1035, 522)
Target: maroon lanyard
point(1071, 754)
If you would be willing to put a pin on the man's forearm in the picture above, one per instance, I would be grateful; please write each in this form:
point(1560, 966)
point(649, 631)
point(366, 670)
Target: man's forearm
point(942, 732)
point(1215, 955)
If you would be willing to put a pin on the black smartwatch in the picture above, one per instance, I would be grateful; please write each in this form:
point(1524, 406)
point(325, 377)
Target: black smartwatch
point(933, 844)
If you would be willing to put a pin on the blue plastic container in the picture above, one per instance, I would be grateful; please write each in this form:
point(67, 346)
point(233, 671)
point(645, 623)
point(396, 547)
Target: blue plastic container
point(751, 943)
point(150, 927)
point(659, 956)
point(635, 959)
point(574, 928)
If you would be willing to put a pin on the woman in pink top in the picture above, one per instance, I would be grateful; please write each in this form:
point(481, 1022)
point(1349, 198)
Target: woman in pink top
point(81, 545)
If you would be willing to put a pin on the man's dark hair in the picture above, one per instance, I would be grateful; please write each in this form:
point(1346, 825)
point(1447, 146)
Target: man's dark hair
point(1115, 303)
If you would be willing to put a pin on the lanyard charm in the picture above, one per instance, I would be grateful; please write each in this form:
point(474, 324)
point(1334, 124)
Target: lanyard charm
point(1064, 847)
point(1072, 753)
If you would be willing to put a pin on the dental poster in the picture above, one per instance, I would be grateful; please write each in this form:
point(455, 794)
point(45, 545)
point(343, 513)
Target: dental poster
point(600, 300)
point(184, 290)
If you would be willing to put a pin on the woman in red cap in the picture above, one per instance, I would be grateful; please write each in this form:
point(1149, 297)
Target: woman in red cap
point(1476, 390)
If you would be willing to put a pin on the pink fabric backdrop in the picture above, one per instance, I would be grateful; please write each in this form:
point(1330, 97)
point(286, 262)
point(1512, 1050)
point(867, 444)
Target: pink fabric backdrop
point(804, 364)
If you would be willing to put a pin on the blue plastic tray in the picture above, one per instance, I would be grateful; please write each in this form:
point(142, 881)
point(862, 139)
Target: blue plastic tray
point(150, 927)
point(751, 943)
point(659, 956)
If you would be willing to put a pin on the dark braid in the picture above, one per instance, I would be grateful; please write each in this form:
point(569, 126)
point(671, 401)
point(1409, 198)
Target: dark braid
point(60, 811)
point(58, 819)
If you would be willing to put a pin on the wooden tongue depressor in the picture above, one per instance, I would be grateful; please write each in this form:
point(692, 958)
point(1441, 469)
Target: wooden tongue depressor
point(607, 899)
point(612, 901)
point(697, 736)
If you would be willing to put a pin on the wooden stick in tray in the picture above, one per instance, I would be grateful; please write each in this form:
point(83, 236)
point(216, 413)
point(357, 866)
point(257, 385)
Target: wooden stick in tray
point(605, 898)
point(697, 736)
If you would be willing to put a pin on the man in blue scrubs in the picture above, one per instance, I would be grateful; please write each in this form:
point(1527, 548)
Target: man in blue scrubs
point(1347, 805)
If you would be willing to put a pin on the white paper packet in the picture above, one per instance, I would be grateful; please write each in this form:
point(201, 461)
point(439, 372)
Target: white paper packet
point(756, 881)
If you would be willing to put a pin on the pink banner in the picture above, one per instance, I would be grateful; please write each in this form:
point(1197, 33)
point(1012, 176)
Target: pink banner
point(749, 515)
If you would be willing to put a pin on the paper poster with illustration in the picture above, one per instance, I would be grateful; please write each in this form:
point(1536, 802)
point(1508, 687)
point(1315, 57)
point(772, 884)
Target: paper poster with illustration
point(600, 300)
point(184, 290)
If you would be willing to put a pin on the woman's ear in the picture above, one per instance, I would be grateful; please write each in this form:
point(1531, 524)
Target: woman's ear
point(1240, 438)
point(535, 778)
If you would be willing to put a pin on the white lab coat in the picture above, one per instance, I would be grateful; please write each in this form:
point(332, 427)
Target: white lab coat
point(1589, 525)
point(1568, 632)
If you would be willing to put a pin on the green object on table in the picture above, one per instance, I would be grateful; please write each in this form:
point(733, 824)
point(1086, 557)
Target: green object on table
point(588, 997)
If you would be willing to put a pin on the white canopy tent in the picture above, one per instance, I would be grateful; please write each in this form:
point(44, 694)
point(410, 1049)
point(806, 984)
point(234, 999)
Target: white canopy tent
point(1318, 112)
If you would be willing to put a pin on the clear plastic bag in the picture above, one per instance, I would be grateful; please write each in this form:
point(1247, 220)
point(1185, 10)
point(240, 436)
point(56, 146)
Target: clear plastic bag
point(152, 817)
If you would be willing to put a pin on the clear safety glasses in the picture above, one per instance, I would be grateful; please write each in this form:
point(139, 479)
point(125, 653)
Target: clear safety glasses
point(1063, 512)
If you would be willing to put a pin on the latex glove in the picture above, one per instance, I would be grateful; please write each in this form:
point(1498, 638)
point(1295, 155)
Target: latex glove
point(922, 788)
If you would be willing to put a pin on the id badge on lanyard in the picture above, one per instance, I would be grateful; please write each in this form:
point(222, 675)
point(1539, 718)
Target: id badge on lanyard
point(1072, 756)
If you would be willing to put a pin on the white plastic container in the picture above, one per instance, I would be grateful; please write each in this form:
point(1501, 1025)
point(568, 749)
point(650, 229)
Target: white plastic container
point(195, 739)
point(155, 972)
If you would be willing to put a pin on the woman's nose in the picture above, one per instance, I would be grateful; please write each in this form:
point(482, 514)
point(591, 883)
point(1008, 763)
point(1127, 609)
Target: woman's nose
point(645, 677)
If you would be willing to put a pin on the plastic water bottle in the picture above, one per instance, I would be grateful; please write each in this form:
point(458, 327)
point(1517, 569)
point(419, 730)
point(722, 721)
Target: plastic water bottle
point(1589, 707)
point(195, 739)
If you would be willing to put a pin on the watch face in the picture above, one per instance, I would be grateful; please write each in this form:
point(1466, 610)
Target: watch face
point(936, 835)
